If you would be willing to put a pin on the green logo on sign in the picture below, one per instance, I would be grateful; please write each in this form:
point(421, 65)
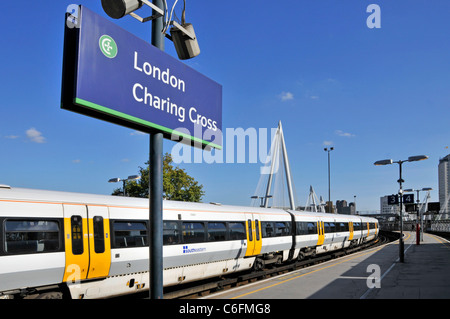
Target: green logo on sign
point(108, 46)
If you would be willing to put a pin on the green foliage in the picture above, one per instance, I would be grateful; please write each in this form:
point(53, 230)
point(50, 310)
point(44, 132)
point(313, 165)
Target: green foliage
point(177, 184)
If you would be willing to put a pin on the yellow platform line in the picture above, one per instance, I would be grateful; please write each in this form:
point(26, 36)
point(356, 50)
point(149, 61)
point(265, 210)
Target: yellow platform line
point(308, 273)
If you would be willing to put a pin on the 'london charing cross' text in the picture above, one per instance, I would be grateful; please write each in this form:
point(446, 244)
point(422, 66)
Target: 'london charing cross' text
point(142, 94)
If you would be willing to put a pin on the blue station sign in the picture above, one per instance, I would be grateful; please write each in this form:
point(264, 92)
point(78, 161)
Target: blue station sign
point(110, 74)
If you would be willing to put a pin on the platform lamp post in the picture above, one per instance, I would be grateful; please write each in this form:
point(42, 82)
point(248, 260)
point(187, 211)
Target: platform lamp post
point(116, 180)
point(400, 194)
point(330, 205)
point(186, 45)
point(419, 217)
point(263, 199)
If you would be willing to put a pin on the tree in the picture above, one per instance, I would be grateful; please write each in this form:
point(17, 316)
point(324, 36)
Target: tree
point(177, 184)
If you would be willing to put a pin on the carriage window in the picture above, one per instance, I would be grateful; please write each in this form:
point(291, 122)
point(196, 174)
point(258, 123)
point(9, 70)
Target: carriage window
point(302, 228)
point(332, 228)
point(216, 231)
point(31, 236)
point(340, 227)
point(337, 228)
point(267, 229)
point(237, 230)
point(171, 233)
point(282, 229)
point(312, 228)
point(130, 234)
point(76, 224)
point(99, 235)
point(193, 232)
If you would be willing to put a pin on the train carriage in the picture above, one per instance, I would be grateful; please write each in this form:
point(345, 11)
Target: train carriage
point(307, 234)
point(201, 243)
point(32, 250)
point(370, 228)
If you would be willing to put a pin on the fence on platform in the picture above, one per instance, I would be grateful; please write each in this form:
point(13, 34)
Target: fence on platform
point(440, 226)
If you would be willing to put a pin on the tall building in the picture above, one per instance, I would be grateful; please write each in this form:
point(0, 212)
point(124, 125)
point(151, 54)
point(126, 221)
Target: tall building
point(342, 208)
point(444, 184)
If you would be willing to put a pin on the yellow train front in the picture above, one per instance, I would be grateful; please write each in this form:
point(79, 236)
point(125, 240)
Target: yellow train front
point(58, 244)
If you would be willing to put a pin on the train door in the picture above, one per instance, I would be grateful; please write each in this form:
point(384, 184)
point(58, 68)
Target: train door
point(254, 240)
point(76, 242)
point(87, 242)
point(99, 242)
point(321, 233)
point(258, 237)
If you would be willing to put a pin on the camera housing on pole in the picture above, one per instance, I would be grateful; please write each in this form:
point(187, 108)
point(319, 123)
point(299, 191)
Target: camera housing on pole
point(185, 42)
point(182, 36)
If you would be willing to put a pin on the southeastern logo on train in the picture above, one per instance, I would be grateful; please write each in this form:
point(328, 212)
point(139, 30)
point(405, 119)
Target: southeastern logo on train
point(187, 250)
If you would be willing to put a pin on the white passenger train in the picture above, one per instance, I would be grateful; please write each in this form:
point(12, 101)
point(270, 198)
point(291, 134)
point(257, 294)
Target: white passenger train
point(58, 244)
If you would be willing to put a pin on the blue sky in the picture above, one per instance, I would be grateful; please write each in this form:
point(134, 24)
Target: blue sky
point(315, 65)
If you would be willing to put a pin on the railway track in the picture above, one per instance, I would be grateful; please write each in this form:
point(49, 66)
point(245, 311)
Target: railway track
point(198, 289)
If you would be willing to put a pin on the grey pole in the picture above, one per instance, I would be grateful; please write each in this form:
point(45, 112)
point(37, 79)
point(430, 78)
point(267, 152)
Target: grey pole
point(330, 205)
point(329, 189)
point(400, 194)
point(156, 186)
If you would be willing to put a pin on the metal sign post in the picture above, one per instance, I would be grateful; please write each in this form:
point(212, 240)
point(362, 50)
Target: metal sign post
point(156, 188)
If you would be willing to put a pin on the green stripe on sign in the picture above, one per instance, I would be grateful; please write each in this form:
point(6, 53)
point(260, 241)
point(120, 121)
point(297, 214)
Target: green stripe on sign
point(137, 120)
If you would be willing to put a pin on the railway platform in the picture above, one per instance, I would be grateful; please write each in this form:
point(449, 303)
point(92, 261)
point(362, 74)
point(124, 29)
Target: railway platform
point(371, 274)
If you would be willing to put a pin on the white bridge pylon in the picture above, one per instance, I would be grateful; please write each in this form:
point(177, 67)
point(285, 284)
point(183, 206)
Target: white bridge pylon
point(313, 204)
point(278, 149)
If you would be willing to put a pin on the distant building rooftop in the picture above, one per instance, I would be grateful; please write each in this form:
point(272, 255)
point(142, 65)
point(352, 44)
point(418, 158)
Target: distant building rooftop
point(445, 159)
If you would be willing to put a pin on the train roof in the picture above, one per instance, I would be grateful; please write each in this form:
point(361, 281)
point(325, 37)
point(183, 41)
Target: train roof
point(27, 194)
point(36, 195)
